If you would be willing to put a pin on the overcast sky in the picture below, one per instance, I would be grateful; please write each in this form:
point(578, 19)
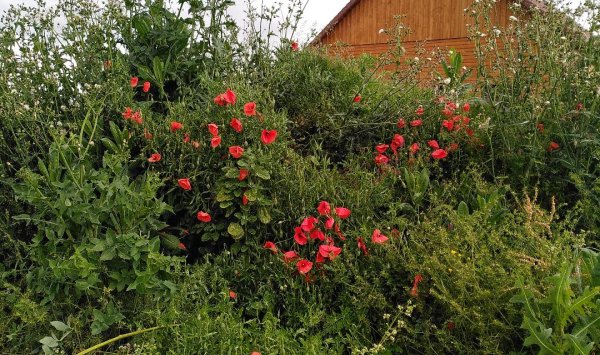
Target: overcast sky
point(318, 12)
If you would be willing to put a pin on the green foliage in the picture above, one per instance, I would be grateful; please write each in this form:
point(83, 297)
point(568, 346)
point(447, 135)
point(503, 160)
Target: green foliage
point(96, 228)
point(567, 318)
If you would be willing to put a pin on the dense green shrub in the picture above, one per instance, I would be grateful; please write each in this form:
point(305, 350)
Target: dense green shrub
point(117, 132)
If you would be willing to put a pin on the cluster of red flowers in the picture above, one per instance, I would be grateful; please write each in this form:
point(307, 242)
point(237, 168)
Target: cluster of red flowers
point(134, 82)
point(315, 229)
point(227, 98)
point(321, 230)
point(453, 122)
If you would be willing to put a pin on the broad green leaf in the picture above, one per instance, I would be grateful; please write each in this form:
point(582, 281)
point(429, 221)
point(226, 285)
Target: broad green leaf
point(463, 209)
point(60, 326)
point(235, 230)
point(262, 173)
point(49, 341)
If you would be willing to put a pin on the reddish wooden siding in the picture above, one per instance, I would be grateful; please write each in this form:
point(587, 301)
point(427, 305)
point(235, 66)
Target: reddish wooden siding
point(428, 20)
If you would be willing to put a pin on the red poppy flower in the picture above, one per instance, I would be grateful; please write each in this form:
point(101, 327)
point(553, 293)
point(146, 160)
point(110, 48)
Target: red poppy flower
point(182, 246)
point(215, 141)
point(236, 125)
point(270, 246)
point(244, 200)
point(324, 208)
point(137, 117)
point(255, 353)
point(466, 107)
point(579, 106)
point(317, 234)
point(203, 217)
point(433, 144)
point(401, 123)
point(381, 148)
point(236, 151)
point(420, 111)
point(186, 138)
point(342, 212)
point(449, 109)
point(362, 246)
point(213, 129)
point(320, 258)
point(378, 238)
point(414, 290)
point(439, 154)
point(290, 256)
point(219, 100)
point(416, 123)
point(304, 266)
point(540, 127)
point(294, 46)
point(553, 146)
point(381, 159)
point(250, 109)
point(229, 97)
point(268, 136)
point(185, 184)
point(308, 223)
point(414, 148)
point(154, 158)
point(448, 124)
point(243, 174)
point(232, 295)
point(146, 87)
point(397, 142)
point(299, 236)
point(148, 135)
point(469, 132)
point(134, 81)
point(466, 120)
point(329, 251)
point(329, 223)
point(337, 230)
point(357, 98)
point(176, 126)
point(127, 113)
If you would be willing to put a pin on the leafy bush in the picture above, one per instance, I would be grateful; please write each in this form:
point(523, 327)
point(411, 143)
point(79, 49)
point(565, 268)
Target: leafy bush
point(96, 228)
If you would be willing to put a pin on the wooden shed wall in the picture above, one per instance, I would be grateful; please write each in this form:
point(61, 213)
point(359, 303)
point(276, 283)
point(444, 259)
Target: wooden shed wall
point(427, 19)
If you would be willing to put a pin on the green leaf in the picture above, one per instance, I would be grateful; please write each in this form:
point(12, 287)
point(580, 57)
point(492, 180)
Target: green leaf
point(263, 215)
point(103, 321)
point(262, 173)
point(60, 326)
point(49, 341)
point(585, 300)
point(579, 345)
point(235, 230)
point(169, 241)
point(539, 337)
point(463, 209)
